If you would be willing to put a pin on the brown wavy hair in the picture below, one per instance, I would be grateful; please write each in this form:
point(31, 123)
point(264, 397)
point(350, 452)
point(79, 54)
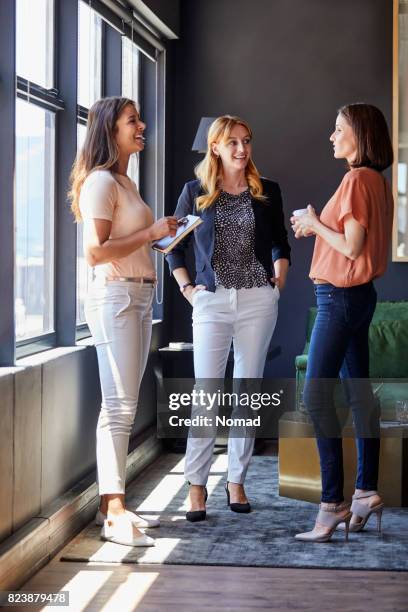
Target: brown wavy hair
point(374, 148)
point(99, 151)
point(209, 170)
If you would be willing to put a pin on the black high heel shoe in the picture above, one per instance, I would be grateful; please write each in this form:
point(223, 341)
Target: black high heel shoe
point(235, 506)
point(197, 515)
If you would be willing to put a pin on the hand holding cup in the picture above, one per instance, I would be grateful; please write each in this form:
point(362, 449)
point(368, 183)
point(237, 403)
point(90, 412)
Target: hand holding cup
point(303, 221)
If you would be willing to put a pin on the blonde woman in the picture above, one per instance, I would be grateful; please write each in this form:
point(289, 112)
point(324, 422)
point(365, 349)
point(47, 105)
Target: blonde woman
point(118, 230)
point(236, 289)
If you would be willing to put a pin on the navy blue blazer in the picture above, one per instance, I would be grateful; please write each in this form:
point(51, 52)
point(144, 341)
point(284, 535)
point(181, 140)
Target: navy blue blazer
point(271, 238)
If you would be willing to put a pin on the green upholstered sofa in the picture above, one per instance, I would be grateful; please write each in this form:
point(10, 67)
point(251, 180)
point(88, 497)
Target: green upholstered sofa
point(388, 342)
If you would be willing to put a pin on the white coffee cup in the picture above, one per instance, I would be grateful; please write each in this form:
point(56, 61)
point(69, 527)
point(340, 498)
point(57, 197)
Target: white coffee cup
point(299, 212)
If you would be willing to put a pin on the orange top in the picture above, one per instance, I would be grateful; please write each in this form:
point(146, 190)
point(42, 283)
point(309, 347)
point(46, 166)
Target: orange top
point(365, 194)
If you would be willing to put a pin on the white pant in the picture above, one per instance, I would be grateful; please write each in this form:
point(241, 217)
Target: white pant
point(247, 317)
point(119, 315)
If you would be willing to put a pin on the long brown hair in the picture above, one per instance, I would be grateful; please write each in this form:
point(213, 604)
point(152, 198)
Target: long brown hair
point(374, 148)
point(209, 170)
point(99, 151)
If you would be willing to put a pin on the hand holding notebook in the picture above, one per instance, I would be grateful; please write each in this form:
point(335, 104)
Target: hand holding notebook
point(185, 226)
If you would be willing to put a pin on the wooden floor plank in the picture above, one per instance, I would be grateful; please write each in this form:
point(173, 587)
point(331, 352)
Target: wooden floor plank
point(194, 588)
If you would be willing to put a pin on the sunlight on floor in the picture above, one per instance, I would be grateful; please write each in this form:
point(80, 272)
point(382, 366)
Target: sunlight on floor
point(130, 593)
point(178, 468)
point(84, 588)
point(161, 496)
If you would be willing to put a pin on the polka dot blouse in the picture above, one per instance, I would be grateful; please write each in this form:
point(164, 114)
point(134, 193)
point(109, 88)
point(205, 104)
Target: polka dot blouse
point(234, 261)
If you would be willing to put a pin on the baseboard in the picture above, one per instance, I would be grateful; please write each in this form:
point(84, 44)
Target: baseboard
point(33, 545)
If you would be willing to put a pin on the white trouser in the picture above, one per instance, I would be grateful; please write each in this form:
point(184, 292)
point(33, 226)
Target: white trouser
point(119, 315)
point(247, 317)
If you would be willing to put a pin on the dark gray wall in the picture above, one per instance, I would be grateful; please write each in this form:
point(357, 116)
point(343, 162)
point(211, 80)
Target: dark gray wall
point(285, 66)
point(167, 11)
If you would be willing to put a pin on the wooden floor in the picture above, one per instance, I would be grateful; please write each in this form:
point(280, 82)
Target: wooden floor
point(162, 588)
point(181, 588)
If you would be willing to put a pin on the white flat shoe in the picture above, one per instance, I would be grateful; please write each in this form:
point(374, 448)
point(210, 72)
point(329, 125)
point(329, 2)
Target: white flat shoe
point(120, 531)
point(138, 521)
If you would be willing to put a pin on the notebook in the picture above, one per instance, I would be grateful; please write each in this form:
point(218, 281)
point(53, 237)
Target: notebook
point(185, 226)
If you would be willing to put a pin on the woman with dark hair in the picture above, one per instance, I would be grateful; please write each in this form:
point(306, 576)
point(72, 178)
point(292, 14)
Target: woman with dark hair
point(241, 261)
point(351, 250)
point(118, 231)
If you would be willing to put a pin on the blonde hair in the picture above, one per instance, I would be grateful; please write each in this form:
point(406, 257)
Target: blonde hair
point(100, 151)
point(209, 170)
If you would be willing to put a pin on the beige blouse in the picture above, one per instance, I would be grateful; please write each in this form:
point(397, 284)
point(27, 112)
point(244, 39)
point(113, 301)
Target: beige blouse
point(114, 197)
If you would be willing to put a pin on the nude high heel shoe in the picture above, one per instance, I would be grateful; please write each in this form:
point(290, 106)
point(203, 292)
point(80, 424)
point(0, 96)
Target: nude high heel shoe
point(329, 517)
point(364, 511)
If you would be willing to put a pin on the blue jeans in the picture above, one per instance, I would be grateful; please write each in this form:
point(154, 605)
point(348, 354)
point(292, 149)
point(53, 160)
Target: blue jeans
point(339, 346)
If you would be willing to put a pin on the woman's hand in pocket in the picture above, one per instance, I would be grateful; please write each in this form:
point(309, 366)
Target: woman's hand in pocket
point(191, 291)
point(280, 283)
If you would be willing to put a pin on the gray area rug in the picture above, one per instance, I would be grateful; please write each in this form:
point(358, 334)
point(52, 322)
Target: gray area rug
point(263, 538)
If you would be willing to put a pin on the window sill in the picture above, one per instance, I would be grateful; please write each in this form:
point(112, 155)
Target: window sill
point(56, 352)
point(49, 355)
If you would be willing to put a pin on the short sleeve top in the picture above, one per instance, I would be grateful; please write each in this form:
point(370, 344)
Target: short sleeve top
point(114, 197)
point(366, 195)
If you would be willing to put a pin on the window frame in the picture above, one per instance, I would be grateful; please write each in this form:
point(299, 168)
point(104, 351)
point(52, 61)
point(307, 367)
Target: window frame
point(48, 100)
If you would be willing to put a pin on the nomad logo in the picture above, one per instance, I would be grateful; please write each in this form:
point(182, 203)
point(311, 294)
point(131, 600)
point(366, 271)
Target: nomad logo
point(201, 398)
point(205, 421)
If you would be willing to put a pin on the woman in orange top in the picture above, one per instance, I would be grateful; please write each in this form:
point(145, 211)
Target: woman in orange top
point(352, 242)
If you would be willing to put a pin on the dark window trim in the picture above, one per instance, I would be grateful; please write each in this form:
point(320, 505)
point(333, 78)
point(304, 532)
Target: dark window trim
point(65, 228)
point(82, 114)
point(124, 21)
point(112, 55)
point(82, 331)
point(7, 172)
point(152, 163)
point(46, 98)
point(31, 346)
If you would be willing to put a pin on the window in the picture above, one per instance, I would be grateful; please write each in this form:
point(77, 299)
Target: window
point(34, 56)
point(35, 158)
point(89, 56)
point(89, 90)
point(400, 129)
point(131, 89)
point(35, 140)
